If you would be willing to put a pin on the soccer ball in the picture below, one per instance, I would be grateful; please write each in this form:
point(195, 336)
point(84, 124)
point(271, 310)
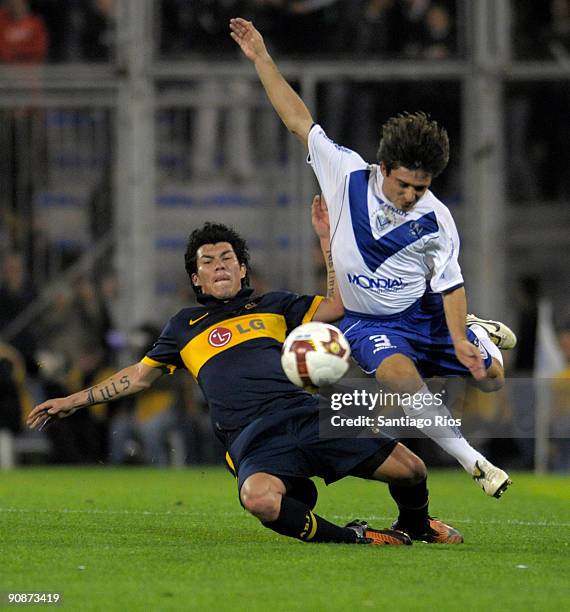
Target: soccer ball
point(315, 354)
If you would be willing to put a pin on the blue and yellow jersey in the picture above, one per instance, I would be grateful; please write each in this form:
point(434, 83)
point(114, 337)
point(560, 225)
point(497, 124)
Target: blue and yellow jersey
point(233, 349)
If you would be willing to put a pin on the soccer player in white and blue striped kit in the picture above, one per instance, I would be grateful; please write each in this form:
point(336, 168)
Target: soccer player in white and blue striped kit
point(395, 252)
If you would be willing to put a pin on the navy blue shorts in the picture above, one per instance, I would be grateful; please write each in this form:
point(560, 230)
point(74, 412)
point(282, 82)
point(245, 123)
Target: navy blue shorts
point(419, 332)
point(287, 445)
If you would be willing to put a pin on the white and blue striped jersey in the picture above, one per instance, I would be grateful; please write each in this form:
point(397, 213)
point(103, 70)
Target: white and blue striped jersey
point(384, 257)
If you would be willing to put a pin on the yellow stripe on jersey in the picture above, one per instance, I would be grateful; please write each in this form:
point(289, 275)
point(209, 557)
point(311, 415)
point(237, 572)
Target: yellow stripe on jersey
point(311, 312)
point(157, 364)
point(229, 333)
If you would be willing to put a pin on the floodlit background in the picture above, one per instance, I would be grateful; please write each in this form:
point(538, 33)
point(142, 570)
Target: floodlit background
point(125, 124)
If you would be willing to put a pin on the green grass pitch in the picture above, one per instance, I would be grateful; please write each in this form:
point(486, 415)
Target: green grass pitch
point(142, 539)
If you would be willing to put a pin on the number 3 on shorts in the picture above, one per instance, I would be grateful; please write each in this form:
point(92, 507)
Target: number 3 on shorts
point(381, 341)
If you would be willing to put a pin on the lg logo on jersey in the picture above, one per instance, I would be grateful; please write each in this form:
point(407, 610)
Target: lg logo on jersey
point(220, 336)
point(381, 341)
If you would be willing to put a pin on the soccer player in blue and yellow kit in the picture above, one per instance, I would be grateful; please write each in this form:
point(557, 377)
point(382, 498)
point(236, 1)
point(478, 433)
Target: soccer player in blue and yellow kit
point(231, 344)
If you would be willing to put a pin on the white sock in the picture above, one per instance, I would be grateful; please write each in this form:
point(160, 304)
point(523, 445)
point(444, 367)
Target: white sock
point(486, 342)
point(447, 437)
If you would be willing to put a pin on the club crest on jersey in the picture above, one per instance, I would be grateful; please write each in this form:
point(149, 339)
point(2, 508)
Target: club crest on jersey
point(380, 219)
point(385, 215)
point(219, 337)
point(416, 229)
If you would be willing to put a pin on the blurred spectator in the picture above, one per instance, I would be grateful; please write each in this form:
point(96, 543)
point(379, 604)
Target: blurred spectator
point(16, 293)
point(153, 419)
point(23, 40)
point(83, 438)
point(23, 35)
point(390, 28)
point(77, 314)
point(289, 25)
point(92, 313)
point(98, 30)
point(60, 339)
point(79, 30)
point(438, 36)
point(14, 400)
point(381, 24)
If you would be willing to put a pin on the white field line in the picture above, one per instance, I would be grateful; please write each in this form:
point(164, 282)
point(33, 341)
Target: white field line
point(479, 522)
point(340, 517)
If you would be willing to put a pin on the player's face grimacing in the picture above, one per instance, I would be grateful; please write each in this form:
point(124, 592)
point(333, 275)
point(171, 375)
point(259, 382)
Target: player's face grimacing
point(404, 187)
point(219, 272)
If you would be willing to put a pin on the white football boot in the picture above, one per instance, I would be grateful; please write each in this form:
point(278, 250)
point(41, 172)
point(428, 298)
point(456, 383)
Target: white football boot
point(490, 478)
point(501, 335)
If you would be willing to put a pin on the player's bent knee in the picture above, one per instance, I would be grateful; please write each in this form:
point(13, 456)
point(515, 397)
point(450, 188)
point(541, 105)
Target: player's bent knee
point(264, 507)
point(402, 467)
point(399, 374)
point(418, 470)
point(261, 496)
point(413, 468)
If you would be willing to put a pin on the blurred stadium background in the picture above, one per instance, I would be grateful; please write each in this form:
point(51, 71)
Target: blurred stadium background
point(124, 124)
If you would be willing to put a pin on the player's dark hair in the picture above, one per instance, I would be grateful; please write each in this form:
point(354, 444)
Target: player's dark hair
point(414, 141)
point(211, 233)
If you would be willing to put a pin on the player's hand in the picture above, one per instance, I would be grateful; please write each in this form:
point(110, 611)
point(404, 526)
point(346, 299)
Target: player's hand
point(44, 413)
point(248, 38)
point(320, 217)
point(468, 354)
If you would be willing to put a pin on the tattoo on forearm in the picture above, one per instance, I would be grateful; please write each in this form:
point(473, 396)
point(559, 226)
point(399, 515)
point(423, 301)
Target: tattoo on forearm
point(330, 275)
point(108, 392)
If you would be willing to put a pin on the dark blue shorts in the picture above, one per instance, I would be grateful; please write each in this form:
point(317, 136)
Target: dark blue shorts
point(420, 333)
point(287, 445)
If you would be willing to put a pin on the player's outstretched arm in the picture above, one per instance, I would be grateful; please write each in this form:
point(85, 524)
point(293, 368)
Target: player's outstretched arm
point(331, 308)
point(289, 106)
point(128, 381)
point(455, 306)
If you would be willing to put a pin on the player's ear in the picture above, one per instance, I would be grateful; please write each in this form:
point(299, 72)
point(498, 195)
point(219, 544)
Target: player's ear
point(195, 280)
point(242, 271)
point(383, 169)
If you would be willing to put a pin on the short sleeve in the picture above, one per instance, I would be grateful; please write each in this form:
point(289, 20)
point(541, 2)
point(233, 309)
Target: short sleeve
point(298, 309)
point(446, 274)
point(165, 352)
point(331, 163)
